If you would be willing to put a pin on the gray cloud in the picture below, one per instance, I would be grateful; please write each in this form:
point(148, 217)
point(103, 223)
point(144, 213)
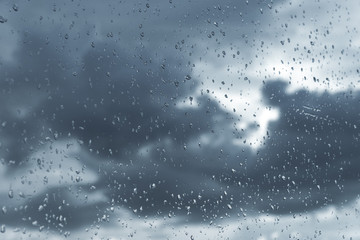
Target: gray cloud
point(312, 153)
point(114, 105)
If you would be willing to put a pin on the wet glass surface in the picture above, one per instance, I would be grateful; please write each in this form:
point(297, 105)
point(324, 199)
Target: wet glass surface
point(179, 119)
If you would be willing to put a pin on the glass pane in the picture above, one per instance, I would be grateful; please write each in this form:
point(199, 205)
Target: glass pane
point(174, 119)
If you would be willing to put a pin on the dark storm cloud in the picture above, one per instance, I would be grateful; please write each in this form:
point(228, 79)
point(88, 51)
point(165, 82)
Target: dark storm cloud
point(74, 26)
point(309, 160)
point(312, 155)
point(114, 101)
point(114, 104)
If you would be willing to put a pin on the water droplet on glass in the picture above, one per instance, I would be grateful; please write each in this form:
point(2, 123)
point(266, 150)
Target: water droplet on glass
point(2, 19)
point(11, 193)
point(15, 7)
point(41, 207)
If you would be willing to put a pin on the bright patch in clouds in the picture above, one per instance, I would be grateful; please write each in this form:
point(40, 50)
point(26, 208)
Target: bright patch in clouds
point(303, 46)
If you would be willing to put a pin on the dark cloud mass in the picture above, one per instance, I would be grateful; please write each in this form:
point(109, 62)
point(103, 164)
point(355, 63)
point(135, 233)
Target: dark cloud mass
point(312, 151)
point(117, 104)
point(113, 106)
point(155, 147)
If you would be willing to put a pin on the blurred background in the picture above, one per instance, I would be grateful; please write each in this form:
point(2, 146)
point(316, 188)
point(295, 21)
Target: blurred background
point(179, 119)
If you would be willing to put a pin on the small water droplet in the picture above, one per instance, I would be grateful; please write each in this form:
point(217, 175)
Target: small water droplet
point(11, 193)
point(2, 19)
point(41, 207)
point(15, 7)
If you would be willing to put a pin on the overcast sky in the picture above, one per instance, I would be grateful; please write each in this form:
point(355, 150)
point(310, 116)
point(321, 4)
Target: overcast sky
point(179, 119)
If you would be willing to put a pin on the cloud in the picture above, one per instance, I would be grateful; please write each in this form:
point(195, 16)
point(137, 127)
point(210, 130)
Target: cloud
point(311, 156)
point(154, 157)
point(113, 106)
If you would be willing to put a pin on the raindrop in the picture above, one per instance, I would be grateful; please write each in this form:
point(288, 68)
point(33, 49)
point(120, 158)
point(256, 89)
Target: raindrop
point(41, 207)
point(11, 193)
point(2, 19)
point(15, 7)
